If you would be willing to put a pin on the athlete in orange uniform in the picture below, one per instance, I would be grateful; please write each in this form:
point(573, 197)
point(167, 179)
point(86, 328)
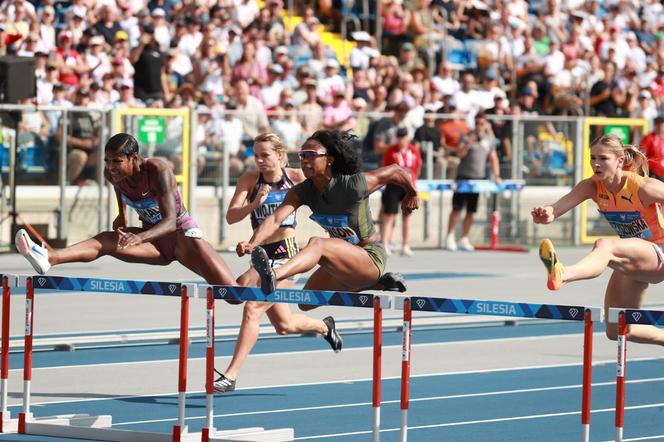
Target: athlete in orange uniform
point(631, 203)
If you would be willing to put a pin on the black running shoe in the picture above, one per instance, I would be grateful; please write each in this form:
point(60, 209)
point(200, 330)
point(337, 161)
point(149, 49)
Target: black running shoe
point(393, 282)
point(223, 384)
point(261, 263)
point(333, 337)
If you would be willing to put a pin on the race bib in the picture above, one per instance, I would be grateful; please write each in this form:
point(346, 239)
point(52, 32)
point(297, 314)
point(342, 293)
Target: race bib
point(628, 224)
point(147, 209)
point(267, 208)
point(337, 227)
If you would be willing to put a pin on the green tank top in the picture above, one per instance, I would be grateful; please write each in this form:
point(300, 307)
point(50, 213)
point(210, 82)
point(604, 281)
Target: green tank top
point(343, 210)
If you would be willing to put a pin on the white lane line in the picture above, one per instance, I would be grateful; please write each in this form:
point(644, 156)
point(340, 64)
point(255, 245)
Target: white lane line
point(480, 421)
point(424, 399)
point(354, 349)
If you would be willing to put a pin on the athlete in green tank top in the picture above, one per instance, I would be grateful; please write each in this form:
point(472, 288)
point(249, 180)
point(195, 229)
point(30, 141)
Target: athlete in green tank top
point(337, 192)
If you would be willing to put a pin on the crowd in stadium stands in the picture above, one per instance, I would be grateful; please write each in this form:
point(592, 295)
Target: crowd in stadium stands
point(459, 57)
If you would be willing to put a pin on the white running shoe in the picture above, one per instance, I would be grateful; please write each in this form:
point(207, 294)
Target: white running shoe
point(406, 251)
point(35, 254)
point(450, 242)
point(464, 244)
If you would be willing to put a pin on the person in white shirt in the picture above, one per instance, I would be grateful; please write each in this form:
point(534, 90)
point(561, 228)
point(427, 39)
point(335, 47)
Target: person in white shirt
point(444, 81)
point(269, 94)
point(162, 32)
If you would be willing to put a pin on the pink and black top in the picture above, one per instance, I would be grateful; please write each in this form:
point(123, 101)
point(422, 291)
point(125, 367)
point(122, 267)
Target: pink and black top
point(143, 200)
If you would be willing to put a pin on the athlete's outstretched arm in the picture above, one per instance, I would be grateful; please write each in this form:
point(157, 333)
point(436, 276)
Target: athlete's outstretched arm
point(240, 207)
point(271, 223)
point(584, 190)
point(162, 183)
point(651, 192)
point(397, 175)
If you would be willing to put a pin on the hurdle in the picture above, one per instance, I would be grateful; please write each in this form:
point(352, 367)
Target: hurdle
point(295, 296)
point(474, 186)
point(6, 423)
point(84, 426)
point(588, 315)
point(626, 317)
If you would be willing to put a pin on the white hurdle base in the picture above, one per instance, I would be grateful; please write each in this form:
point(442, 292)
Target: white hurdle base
point(256, 434)
point(84, 426)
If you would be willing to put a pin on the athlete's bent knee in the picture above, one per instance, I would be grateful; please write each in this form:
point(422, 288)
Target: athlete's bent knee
point(604, 243)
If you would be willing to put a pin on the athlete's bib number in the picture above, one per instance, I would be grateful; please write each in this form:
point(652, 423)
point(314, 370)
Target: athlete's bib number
point(628, 224)
point(337, 227)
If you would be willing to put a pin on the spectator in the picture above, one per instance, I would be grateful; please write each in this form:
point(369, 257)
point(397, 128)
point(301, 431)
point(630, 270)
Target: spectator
point(97, 59)
point(429, 135)
point(148, 63)
point(271, 90)
point(230, 139)
point(162, 32)
point(606, 98)
point(82, 141)
point(33, 128)
point(70, 63)
point(476, 151)
point(444, 80)
point(107, 25)
point(645, 108)
point(385, 129)
point(251, 112)
point(407, 156)
point(653, 147)
point(250, 69)
point(311, 113)
point(338, 115)
point(287, 125)
point(330, 83)
point(359, 106)
point(360, 55)
point(127, 97)
point(47, 28)
point(396, 21)
point(452, 130)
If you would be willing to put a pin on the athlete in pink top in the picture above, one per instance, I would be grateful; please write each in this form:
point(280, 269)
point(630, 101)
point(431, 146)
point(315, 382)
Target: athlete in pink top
point(168, 232)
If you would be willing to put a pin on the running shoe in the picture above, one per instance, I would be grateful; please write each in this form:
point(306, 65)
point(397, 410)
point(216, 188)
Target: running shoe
point(35, 254)
point(261, 263)
point(223, 384)
point(554, 267)
point(393, 282)
point(333, 337)
point(465, 245)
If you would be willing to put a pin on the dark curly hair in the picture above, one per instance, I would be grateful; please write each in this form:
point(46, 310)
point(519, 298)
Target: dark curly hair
point(341, 146)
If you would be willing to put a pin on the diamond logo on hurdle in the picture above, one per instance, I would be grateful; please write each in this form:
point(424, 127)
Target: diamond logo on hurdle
point(171, 288)
point(420, 303)
point(573, 312)
point(636, 316)
point(222, 292)
point(364, 299)
point(41, 281)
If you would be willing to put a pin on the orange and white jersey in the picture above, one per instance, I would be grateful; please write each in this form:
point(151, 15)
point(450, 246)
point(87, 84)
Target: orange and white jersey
point(626, 213)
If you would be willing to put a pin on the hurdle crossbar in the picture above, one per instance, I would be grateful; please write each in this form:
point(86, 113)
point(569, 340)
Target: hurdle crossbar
point(625, 317)
point(296, 296)
point(83, 426)
point(496, 308)
point(6, 423)
point(473, 186)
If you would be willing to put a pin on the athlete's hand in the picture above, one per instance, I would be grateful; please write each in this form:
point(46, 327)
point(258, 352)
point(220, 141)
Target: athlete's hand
point(261, 195)
point(410, 203)
point(243, 248)
point(127, 239)
point(119, 222)
point(542, 215)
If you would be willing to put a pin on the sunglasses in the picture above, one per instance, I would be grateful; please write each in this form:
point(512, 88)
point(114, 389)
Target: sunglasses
point(310, 154)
